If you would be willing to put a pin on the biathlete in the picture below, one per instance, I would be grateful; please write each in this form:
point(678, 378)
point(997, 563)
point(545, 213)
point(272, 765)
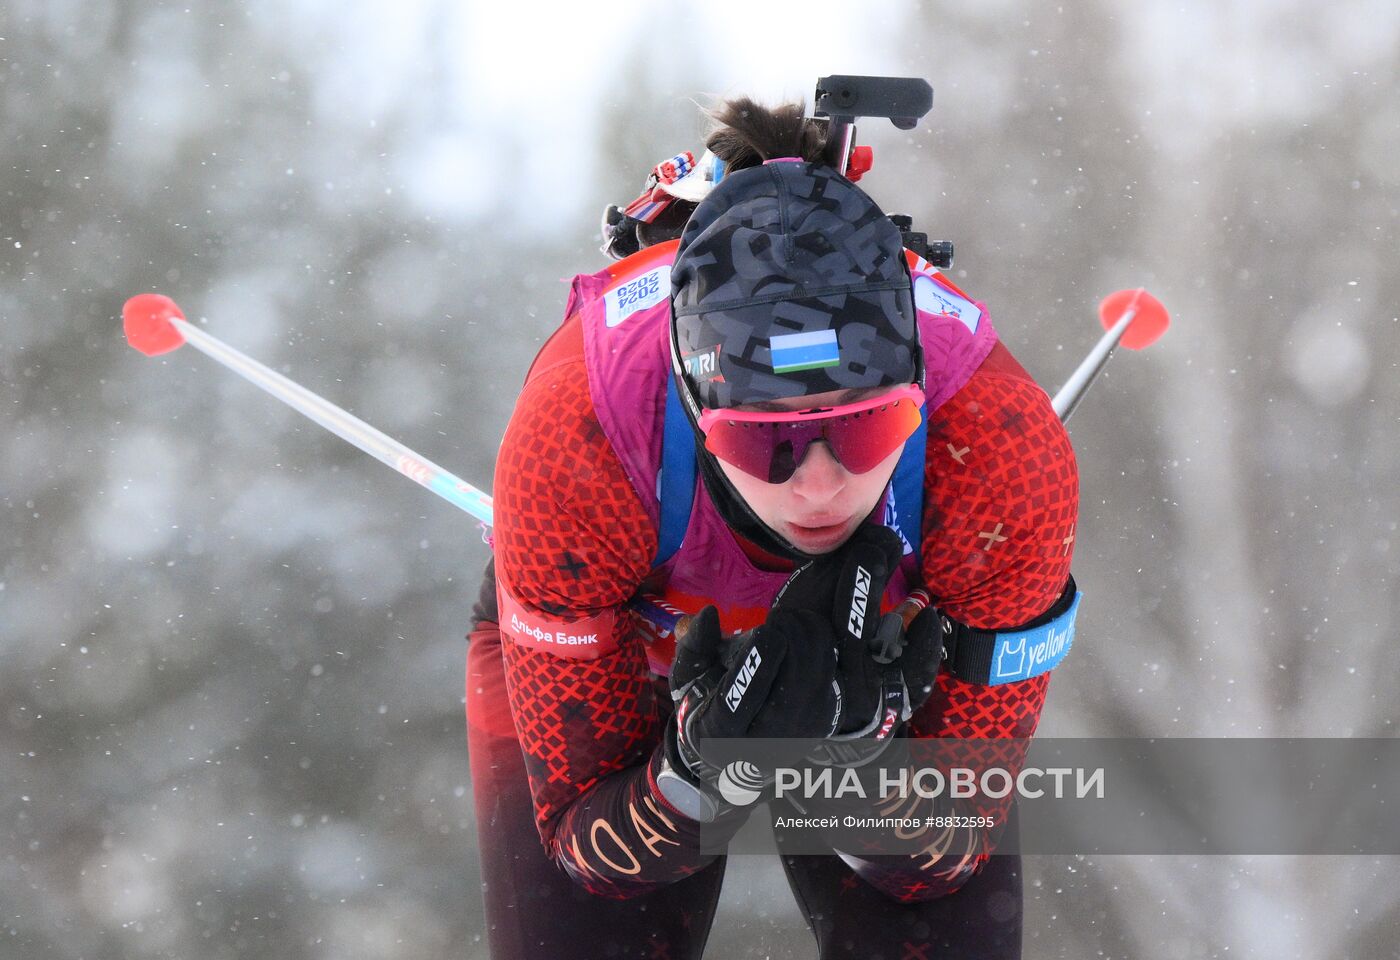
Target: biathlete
point(782, 388)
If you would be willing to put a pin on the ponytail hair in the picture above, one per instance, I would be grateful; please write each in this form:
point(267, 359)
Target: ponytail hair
point(745, 135)
point(748, 134)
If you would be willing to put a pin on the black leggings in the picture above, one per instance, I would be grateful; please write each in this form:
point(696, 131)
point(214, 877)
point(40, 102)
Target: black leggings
point(533, 910)
point(850, 918)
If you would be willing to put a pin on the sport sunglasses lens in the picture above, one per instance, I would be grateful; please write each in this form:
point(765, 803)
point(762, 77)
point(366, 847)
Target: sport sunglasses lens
point(860, 441)
point(772, 451)
point(767, 451)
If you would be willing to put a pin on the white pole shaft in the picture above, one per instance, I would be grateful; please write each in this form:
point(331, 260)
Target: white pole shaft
point(1077, 385)
point(345, 425)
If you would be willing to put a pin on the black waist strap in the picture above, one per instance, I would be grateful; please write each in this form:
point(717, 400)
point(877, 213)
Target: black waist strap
point(991, 657)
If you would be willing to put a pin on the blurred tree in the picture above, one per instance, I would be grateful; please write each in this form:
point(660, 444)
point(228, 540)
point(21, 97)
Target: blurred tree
point(230, 645)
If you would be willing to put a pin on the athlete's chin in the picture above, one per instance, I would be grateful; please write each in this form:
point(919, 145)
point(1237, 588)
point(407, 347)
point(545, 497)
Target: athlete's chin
point(821, 537)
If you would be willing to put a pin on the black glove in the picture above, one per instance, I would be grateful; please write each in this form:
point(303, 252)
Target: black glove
point(885, 670)
point(846, 587)
point(780, 683)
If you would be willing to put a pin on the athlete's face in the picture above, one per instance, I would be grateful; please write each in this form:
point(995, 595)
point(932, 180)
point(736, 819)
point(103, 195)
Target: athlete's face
point(821, 504)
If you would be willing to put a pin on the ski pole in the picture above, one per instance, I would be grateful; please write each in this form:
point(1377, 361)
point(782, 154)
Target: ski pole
point(1133, 317)
point(155, 324)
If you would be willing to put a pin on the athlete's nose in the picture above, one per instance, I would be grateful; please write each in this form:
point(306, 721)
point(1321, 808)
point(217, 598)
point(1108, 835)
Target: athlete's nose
point(819, 476)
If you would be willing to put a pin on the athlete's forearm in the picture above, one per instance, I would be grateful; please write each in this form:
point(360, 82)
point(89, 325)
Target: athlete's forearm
point(620, 838)
point(591, 732)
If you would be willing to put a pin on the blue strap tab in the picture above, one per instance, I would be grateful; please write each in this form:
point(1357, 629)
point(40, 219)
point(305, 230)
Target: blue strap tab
point(675, 484)
point(908, 486)
point(992, 657)
point(1022, 654)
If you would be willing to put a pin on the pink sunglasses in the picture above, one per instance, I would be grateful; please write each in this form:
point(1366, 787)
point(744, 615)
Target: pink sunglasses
point(770, 446)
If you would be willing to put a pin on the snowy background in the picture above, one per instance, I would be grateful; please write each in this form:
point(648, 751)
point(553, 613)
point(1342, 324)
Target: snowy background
point(231, 646)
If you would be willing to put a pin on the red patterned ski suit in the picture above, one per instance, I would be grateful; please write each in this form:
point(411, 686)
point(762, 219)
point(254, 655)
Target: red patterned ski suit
point(572, 541)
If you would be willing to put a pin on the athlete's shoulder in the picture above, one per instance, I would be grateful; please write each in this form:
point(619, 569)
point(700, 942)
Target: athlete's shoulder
point(1000, 410)
point(572, 538)
point(1001, 491)
point(623, 289)
point(641, 281)
point(616, 292)
point(1001, 362)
